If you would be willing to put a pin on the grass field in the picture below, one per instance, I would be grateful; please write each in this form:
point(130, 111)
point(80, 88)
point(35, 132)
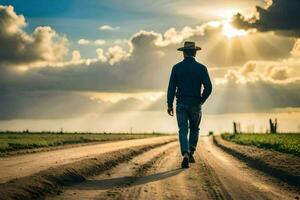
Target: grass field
point(286, 143)
point(12, 141)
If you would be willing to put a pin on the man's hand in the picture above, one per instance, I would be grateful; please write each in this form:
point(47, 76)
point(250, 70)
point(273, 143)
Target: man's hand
point(170, 111)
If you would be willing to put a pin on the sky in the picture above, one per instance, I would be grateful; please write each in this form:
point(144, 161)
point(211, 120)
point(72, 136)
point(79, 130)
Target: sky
point(103, 65)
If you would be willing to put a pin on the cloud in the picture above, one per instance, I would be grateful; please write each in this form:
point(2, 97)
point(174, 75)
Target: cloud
point(108, 28)
point(97, 42)
point(145, 66)
point(258, 96)
point(111, 71)
point(47, 105)
point(256, 87)
point(115, 54)
point(76, 56)
point(253, 71)
point(278, 73)
point(162, 43)
point(100, 55)
point(296, 49)
point(218, 50)
point(172, 36)
point(43, 45)
point(280, 16)
point(83, 41)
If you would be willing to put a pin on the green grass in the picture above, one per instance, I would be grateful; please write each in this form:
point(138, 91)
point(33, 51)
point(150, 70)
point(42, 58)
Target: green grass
point(286, 143)
point(12, 141)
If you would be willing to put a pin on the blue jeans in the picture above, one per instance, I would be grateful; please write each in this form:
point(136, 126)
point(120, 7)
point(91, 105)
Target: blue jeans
point(188, 117)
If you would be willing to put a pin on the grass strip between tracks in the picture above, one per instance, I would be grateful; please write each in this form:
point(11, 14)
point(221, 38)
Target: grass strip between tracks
point(50, 181)
point(280, 165)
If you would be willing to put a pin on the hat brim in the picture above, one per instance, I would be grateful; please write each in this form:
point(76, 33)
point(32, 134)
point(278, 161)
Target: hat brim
point(189, 48)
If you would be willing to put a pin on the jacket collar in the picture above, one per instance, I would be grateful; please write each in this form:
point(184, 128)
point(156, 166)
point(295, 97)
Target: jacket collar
point(189, 58)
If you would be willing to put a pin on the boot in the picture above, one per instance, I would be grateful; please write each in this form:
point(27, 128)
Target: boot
point(185, 161)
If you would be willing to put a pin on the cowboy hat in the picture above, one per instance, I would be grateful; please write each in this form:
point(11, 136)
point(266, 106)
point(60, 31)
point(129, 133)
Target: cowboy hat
point(188, 45)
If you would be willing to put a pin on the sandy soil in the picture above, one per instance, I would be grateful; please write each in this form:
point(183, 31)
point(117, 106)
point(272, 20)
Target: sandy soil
point(25, 165)
point(156, 174)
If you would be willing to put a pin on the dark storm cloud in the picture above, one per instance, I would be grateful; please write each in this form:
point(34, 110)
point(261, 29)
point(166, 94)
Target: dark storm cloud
point(282, 16)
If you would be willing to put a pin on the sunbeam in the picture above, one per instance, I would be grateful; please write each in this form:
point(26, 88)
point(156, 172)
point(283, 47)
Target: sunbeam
point(229, 31)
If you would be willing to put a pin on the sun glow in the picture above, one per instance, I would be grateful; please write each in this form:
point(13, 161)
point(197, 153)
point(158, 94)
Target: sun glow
point(229, 31)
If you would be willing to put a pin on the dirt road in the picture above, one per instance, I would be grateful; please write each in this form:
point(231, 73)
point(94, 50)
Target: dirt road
point(156, 174)
point(24, 165)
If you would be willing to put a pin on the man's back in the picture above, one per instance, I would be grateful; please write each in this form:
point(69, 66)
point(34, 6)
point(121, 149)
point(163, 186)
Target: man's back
point(187, 78)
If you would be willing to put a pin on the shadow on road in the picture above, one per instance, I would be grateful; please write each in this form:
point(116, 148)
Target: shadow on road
point(126, 180)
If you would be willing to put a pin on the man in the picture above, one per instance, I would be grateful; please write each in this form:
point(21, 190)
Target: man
point(186, 81)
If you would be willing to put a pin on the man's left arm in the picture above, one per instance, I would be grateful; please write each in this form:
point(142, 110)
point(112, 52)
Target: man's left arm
point(207, 86)
point(171, 92)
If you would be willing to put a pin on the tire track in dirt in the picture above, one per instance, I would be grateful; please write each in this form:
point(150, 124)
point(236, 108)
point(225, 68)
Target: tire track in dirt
point(197, 182)
point(174, 187)
point(28, 164)
point(113, 183)
point(138, 183)
point(159, 176)
point(161, 170)
point(156, 174)
point(211, 182)
point(52, 180)
point(215, 175)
